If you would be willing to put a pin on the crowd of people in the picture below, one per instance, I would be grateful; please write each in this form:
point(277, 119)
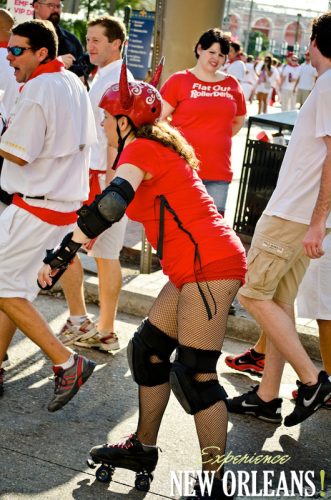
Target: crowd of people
point(269, 80)
point(163, 159)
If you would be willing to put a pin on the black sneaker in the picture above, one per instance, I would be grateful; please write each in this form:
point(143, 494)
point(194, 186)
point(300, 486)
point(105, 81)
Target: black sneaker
point(217, 492)
point(310, 398)
point(68, 382)
point(2, 371)
point(251, 404)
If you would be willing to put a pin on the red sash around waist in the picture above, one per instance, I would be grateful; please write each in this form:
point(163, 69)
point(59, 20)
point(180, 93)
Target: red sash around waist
point(45, 214)
point(95, 188)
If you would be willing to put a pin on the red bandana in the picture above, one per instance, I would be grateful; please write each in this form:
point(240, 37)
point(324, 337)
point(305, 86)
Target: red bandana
point(3, 45)
point(53, 66)
point(237, 58)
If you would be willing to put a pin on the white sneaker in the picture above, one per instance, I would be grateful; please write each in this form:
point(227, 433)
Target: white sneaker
point(70, 332)
point(107, 342)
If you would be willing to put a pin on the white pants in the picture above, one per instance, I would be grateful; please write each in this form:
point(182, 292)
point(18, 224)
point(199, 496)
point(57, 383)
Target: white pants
point(109, 244)
point(23, 242)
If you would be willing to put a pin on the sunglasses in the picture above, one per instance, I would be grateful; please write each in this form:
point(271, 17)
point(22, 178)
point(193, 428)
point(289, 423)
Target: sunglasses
point(17, 51)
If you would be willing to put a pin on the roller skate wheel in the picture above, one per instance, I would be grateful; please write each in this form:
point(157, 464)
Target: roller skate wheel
point(143, 482)
point(90, 463)
point(103, 474)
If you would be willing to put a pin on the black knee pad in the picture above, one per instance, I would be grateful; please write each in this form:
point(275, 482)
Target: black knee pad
point(195, 396)
point(147, 341)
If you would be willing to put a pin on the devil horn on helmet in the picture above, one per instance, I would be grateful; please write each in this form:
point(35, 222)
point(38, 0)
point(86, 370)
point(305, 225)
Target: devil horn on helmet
point(157, 75)
point(126, 97)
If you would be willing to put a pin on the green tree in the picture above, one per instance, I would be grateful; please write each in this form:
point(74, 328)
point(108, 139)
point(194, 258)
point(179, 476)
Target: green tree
point(98, 7)
point(252, 43)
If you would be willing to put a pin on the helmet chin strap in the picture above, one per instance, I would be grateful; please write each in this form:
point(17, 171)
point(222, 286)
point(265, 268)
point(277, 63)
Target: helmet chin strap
point(121, 141)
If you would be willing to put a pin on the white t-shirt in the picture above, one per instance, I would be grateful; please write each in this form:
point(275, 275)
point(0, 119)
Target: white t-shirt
point(104, 78)
point(250, 75)
point(51, 127)
point(299, 179)
point(307, 75)
point(7, 82)
point(291, 74)
point(236, 69)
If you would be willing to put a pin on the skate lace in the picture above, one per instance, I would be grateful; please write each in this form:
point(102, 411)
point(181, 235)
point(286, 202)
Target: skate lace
point(128, 442)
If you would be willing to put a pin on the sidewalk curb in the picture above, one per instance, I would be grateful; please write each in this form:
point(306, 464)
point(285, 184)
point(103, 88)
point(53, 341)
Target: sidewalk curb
point(135, 299)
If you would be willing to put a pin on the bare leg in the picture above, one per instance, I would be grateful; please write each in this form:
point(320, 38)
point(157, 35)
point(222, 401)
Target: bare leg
point(110, 283)
point(7, 329)
point(24, 315)
point(73, 288)
point(324, 327)
point(260, 345)
point(279, 326)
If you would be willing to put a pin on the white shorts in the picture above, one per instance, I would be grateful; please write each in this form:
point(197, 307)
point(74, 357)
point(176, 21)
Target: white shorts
point(109, 244)
point(314, 296)
point(23, 242)
point(3, 207)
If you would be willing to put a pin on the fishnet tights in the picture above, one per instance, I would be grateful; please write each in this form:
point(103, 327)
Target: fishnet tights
point(182, 315)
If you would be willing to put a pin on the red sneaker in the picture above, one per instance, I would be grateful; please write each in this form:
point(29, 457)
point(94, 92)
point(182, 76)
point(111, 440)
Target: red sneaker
point(249, 361)
point(69, 381)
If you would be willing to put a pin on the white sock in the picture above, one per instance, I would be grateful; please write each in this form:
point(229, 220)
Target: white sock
point(148, 445)
point(78, 320)
point(69, 363)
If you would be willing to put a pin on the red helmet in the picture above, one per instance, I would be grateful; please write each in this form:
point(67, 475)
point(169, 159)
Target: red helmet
point(140, 101)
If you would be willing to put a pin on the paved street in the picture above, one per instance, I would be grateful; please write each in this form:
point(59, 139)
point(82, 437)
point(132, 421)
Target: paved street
point(42, 455)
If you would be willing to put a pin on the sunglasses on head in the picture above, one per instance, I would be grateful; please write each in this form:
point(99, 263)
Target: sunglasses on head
point(17, 51)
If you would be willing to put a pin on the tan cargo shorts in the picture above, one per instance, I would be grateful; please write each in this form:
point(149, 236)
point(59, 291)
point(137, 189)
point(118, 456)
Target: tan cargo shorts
point(276, 260)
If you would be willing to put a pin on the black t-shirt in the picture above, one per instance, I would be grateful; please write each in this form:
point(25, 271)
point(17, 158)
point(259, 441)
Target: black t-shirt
point(69, 44)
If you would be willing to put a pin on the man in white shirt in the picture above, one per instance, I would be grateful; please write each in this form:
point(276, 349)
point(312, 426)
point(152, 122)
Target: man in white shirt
point(7, 80)
point(288, 77)
point(306, 80)
point(289, 233)
point(47, 172)
point(105, 38)
point(235, 66)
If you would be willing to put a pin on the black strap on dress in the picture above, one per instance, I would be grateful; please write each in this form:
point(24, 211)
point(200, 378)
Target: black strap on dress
point(164, 204)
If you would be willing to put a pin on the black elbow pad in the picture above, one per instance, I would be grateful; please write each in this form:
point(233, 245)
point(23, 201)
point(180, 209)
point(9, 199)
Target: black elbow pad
point(107, 208)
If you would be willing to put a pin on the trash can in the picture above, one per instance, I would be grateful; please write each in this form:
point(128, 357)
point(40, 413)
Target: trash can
point(261, 165)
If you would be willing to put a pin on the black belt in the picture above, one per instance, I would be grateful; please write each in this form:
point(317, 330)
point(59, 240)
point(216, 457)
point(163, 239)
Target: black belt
point(32, 197)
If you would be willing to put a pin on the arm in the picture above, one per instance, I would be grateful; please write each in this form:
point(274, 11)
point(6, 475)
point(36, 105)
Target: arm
point(111, 155)
point(313, 239)
point(107, 209)
point(167, 110)
point(237, 123)
point(13, 158)
point(296, 84)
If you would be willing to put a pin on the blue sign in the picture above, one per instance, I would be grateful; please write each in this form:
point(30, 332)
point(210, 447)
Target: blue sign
point(140, 39)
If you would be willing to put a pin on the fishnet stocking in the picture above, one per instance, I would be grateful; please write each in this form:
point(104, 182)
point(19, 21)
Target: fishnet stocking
point(194, 330)
point(183, 312)
point(153, 400)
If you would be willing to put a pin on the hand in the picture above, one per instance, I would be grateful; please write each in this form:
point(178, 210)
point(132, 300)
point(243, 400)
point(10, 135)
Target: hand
point(45, 275)
point(68, 60)
point(313, 241)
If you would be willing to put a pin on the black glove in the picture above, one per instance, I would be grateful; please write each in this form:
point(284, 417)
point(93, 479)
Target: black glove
point(60, 257)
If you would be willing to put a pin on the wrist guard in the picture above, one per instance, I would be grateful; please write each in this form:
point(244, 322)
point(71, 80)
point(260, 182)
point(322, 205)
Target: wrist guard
point(61, 256)
point(107, 208)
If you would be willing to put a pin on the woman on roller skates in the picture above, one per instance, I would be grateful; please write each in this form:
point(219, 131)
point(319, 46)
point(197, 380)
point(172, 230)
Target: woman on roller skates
point(156, 183)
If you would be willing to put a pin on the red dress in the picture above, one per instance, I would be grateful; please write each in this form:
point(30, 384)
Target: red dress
point(174, 180)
